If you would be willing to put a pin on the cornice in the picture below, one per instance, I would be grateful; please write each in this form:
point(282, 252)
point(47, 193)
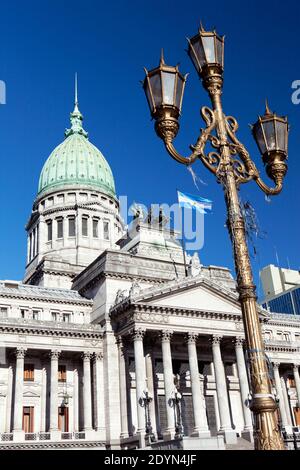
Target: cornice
point(86, 302)
point(135, 309)
point(34, 445)
point(282, 348)
point(51, 329)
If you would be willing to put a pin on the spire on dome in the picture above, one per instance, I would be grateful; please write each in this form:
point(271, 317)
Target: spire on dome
point(76, 117)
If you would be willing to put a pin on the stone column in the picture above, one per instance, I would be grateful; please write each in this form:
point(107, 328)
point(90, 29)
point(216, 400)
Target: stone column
point(286, 401)
point(76, 400)
point(99, 394)
point(169, 382)
point(140, 376)
point(150, 386)
point(123, 388)
point(297, 381)
point(247, 432)
point(55, 433)
point(9, 398)
point(199, 408)
point(87, 394)
point(222, 393)
point(18, 433)
point(284, 421)
point(43, 400)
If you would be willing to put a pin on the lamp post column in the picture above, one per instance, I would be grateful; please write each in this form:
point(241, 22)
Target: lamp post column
point(267, 435)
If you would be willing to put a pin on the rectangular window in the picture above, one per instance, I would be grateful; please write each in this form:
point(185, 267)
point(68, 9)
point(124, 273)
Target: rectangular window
point(35, 314)
point(95, 228)
point(66, 317)
point(28, 372)
point(71, 226)
point(84, 226)
point(106, 230)
point(291, 381)
point(28, 419)
point(62, 373)
point(23, 313)
point(60, 228)
point(63, 419)
point(60, 198)
point(3, 312)
point(229, 368)
point(49, 227)
point(55, 316)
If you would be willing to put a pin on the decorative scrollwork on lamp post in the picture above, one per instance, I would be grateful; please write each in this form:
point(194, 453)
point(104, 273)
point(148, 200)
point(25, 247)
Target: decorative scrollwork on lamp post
point(145, 401)
point(232, 165)
point(175, 402)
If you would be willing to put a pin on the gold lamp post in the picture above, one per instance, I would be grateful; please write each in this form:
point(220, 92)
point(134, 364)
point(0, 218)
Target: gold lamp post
point(230, 162)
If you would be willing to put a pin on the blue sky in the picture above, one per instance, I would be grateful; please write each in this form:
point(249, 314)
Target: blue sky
point(108, 43)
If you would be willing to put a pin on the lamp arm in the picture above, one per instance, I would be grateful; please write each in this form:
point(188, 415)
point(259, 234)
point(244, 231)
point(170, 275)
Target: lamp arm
point(266, 189)
point(198, 148)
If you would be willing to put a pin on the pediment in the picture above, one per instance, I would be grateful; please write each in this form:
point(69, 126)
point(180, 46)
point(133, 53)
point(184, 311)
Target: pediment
point(31, 393)
point(199, 297)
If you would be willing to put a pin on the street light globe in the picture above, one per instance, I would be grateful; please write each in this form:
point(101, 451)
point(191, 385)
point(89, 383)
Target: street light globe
point(164, 87)
point(206, 50)
point(271, 135)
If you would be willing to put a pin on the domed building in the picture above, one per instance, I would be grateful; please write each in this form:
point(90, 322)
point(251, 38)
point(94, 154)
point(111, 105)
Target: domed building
point(118, 339)
point(75, 215)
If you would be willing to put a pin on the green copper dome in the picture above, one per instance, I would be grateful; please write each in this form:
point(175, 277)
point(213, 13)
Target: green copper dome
point(76, 161)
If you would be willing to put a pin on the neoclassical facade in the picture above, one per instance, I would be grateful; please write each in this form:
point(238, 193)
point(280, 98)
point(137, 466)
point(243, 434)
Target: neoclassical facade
point(109, 342)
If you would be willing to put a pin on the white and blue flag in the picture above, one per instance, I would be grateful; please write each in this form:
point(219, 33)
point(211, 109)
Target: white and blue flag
point(194, 202)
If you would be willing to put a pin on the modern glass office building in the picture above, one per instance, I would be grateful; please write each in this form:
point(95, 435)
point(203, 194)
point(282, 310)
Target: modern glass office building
point(287, 302)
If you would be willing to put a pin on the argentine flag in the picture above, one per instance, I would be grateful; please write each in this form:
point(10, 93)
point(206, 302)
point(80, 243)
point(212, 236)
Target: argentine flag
point(197, 202)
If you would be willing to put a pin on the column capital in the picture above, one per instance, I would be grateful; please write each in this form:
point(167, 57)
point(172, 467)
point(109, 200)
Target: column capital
point(239, 341)
point(216, 339)
point(166, 335)
point(296, 366)
point(54, 354)
point(191, 337)
point(86, 355)
point(20, 353)
point(276, 365)
point(98, 356)
point(138, 334)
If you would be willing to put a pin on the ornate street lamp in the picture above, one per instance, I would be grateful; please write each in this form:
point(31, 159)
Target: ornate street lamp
point(176, 399)
point(146, 399)
point(232, 165)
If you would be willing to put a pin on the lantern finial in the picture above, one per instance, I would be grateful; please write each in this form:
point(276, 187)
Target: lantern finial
point(201, 29)
point(162, 59)
point(267, 110)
